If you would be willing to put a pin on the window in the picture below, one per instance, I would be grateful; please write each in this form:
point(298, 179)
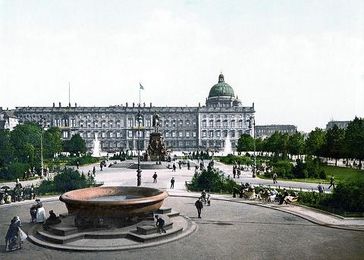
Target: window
point(173, 133)
point(111, 134)
point(166, 134)
point(218, 133)
point(130, 122)
point(118, 134)
point(225, 124)
point(187, 134)
point(211, 123)
point(211, 134)
point(232, 123)
point(180, 133)
point(166, 123)
point(218, 123)
point(130, 134)
point(65, 134)
point(240, 123)
point(194, 134)
point(204, 123)
point(103, 134)
point(148, 123)
point(232, 134)
point(88, 135)
point(204, 133)
point(187, 122)
point(180, 122)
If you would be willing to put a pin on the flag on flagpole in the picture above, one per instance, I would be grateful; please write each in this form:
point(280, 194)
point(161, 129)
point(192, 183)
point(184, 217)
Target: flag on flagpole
point(141, 86)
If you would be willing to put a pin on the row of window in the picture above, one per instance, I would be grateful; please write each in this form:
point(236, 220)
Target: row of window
point(218, 133)
point(224, 123)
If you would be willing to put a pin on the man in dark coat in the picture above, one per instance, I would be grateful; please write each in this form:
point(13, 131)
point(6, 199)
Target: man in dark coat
point(199, 207)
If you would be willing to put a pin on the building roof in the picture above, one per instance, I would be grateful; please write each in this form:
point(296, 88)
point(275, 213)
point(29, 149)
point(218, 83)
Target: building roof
point(221, 88)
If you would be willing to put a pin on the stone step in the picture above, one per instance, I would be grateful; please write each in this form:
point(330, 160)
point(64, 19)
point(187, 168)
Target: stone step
point(61, 231)
point(52, 238)
point(163, 211)
point(99, 234)
point(149, 229)
point(155, 236)
point(173, 214)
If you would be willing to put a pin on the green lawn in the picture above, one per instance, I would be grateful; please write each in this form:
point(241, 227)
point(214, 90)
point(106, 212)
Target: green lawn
point(343, 174)
point(340, 174)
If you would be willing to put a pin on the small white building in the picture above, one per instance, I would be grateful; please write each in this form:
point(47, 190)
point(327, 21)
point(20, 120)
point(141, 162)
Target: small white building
point(8, 120)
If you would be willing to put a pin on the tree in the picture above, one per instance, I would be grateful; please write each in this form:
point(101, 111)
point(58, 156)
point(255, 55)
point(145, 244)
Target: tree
point(25, 140)
point(245, 143)
point(315, 142)
point(6, 149)
point(52, 142)
point(334, 143)
point(354, 139)
point(296, 144)
point(76, 145)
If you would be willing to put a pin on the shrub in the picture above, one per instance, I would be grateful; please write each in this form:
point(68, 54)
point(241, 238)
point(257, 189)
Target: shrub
point(14, 171)
point(86, 159)
point(283, 168)
point(67, 180)
point(211, 180)
point(231, 159)
point(349, 196)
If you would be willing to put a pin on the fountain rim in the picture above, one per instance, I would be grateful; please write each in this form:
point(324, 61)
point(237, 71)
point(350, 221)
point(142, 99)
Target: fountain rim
point(142, 200)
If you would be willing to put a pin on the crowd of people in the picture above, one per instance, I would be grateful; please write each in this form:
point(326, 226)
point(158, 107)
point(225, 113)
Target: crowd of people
point(18, 193)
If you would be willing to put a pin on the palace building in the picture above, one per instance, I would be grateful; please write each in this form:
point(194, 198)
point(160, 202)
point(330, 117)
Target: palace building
point(183, 128)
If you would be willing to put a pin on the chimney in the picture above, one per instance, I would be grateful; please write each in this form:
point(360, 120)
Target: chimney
point(60, 105)
point(144, 104)
point(133, 104)
point(75, 104)
point(150, 104)
point(126, 104)
point(54, 104)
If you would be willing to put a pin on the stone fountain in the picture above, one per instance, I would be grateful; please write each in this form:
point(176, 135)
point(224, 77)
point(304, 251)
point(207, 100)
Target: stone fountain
point(112, 206)
point(112, 218)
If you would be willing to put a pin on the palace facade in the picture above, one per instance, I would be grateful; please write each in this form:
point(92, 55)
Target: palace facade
point(183, 128)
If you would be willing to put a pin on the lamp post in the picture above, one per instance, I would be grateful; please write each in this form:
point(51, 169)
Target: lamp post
point(139, 171)
point(252, 128)
point(41, 149)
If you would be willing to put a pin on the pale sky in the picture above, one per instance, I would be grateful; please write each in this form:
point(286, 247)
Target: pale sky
point(300, 62)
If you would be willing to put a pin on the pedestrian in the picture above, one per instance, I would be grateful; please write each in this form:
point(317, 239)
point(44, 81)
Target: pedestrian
point(78, 165)
point(320, 188)
point(155, 177)
point(160, 225)
point(180, 165)
point(199, 207)
point(12, 238)
point(174, 167)
point(332, 182)
point(101, 165)
point(234, 171)
point(40, 215)
point(274, 178)
point(94, 171)
point(188, 165)
point(172, 183)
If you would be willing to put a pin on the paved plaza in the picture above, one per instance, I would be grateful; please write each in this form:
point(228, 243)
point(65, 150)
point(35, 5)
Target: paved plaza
point(230, 228)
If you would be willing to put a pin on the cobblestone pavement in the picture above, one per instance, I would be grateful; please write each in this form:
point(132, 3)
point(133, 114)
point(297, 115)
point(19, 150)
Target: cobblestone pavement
point(229, 228)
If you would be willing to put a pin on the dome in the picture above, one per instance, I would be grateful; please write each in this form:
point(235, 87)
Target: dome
point(221, 88)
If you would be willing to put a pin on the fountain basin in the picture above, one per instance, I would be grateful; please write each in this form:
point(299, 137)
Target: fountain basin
point(113, 202)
